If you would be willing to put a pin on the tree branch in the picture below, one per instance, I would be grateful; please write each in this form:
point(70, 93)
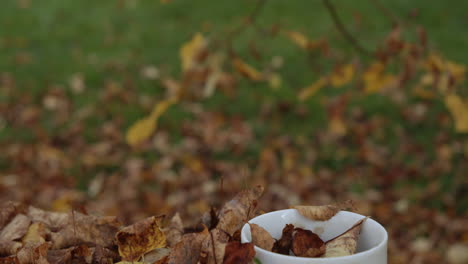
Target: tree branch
point(342, 29)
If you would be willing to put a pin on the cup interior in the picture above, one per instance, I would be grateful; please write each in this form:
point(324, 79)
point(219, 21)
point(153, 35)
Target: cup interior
point(372, 236)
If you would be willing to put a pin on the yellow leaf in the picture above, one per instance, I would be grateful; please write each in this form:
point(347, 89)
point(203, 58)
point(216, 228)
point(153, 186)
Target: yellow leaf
point(135, 240)
point(36, 233)
point(275, 81)
point(459, 110)
point(144, 128)
point(342, 75)
point(312, 89)
point(190, 51)
point(375, 79)
point(246, 70)
point(298, 38)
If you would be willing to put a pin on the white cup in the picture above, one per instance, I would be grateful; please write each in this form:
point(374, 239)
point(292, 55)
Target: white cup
point(372, 244)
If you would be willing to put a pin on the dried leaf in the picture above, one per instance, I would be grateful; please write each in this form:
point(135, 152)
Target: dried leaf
point(104, 255)
point(8, 248)
point(213, 248)
point(142, 237)
point(8, 210)
point(237, 211)
point(237, 253)
point(312, 89)
point(188, 249)
point(261, 237)
point(16, 229)
point(336, 126)
point(375, 79)
point(246, 70)
point(307, 244)
point(190, 51)
point(344, 244)
point(86, 229)
point(284, 244)
point(36, 233)
point(317, 213)
point(144, 128)
point(342, 75)
point(459, 110)
point(34, 253)
point(156, 255)
point(9, 260)
point(54, 221)
point(174, 231)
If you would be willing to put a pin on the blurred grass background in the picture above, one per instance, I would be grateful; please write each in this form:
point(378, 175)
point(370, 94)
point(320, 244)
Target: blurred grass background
point(44, 43)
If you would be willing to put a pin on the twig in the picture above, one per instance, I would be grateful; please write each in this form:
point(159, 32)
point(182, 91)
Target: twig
point(248, 21)
point(340, 26)
point(385, 11)
point(213, 247)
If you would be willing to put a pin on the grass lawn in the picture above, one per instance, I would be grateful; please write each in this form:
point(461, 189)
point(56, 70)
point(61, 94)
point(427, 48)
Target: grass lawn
point(44, 43)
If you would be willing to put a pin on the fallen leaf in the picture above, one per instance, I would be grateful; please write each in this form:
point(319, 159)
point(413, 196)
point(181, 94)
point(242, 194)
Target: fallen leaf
point(174, 231)
point(144, 128)
point(9, 260)
point(156, 255)
point(298, 38)
point(306, 243)
point(459, 110)
point(36, 233)
point(190, 51)
point(344, 244)
point(236, 212)
point(342, 75)
point(214, 246)
point(317, 213)
point(34, 253)
point(188, 250)
point(246, 70)
point(261, 237)
point(375, 79)
point(237, 253)
point(8, 248)
point(8, 210)
point(16, 229)
point(458, 254)
point(336, 126)
point(312, 89)
point(284, 244)
point(104, 255)
point(86, 229)
point(54, 221)
point(142, 237)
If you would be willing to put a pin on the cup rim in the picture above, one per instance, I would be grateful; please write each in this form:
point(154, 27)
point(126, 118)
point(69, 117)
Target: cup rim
point(362, 253)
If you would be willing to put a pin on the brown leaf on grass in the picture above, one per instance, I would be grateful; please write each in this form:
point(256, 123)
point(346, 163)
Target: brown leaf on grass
point(317, 213)
point(459, 110)
point(246, 70)
point(142, 237)
point(214, 246)
point(174, 231)
point(237, 253)
point(34, 253)
point(188, 249)
point(284, 244)
point(236, 212)
point(344, 244)
point(261, 237)
point(307, 244)
point(16, 228)
point(86, 229)
point(312, 89)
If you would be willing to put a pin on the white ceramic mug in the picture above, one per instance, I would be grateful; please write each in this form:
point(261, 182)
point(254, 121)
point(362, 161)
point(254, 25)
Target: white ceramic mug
point(372, 244)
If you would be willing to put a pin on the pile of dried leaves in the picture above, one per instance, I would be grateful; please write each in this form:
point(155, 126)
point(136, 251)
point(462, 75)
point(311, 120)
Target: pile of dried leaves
point(31, 235)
